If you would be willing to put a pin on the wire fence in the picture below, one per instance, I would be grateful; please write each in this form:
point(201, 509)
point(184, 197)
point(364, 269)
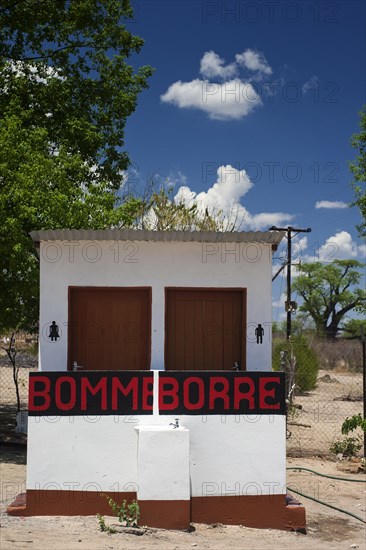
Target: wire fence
point(330, 389)
point(314, 420)
point(7, 386)
point(8, 396)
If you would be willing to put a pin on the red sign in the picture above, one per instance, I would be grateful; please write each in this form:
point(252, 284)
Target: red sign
point(90, 393)
point(131, 392)
point(221, 393)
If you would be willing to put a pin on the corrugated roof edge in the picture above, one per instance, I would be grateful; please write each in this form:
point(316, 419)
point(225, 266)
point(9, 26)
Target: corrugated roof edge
point(267, 237)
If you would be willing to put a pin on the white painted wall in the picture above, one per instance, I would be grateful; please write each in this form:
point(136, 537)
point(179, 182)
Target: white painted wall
point(158, 265)
point(240, 455)
point(82, 453)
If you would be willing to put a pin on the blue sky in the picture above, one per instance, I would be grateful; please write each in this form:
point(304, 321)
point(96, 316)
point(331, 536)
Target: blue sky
point(259, 98)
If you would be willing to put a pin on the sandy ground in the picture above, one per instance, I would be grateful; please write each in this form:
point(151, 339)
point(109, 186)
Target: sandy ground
point(327, 529)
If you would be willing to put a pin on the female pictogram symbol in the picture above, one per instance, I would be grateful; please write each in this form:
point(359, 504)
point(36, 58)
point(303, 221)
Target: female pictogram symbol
point(54, 332)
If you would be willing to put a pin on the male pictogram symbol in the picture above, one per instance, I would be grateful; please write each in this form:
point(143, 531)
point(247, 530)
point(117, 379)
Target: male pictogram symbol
point(54, 332)
point(259, 331)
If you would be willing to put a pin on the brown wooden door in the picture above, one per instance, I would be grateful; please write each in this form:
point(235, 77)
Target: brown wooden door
point(205, 329)
point(109, 328)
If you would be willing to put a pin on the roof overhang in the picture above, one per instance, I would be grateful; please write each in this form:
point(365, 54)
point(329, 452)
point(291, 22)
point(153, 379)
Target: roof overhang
point(266, 237)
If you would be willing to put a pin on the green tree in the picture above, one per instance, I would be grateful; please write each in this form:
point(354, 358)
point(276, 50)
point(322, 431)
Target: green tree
point(63, 65)
point(352, 328)
point(358, 169)
point(300, 325)
point(329, 293)
point(67, 91)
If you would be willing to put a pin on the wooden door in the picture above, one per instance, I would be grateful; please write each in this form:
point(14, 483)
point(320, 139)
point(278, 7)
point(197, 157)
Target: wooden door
point(109, 328)
point(205, 329)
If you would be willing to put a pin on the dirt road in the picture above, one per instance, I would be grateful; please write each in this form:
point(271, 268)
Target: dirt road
point(327, 529)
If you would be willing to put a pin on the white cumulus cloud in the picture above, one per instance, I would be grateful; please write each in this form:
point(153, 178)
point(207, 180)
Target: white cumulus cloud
point(331, 204)
point(225, 197)
point(340, 246)
point(221, 92)
point(224, 101)
point(254, 61)
point(212, 65)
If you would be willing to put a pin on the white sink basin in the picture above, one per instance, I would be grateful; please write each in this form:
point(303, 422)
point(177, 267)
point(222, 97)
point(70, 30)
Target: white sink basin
point(167, 428)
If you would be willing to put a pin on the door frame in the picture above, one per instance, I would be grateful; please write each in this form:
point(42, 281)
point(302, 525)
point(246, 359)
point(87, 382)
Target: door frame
point(109, 288)
point(243, 292)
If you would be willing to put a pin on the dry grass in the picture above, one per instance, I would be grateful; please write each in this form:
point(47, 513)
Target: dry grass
point(341, 355)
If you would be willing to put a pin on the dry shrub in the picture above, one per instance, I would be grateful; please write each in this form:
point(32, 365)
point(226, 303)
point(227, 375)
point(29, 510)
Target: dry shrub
point(307, 364)
point(342, 354)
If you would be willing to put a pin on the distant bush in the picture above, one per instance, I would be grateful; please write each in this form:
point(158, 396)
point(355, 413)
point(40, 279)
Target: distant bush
point(341, 354)
point(307, 364)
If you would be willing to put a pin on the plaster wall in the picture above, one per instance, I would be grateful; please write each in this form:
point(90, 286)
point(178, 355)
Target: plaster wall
point(156, 265)
point(228, 455)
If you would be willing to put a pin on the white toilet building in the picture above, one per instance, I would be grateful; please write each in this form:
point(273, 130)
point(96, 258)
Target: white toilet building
point(155, 380)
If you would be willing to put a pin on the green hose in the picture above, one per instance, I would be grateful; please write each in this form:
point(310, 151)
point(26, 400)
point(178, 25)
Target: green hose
point(326, 504)
point(299, 468)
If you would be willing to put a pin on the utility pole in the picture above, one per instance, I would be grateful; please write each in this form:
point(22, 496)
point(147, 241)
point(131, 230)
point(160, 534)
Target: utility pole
point(290, 306)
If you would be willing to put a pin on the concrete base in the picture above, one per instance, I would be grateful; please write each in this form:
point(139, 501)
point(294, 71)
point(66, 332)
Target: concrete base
point(65, 503)
point(262, 512)
point(165, 514)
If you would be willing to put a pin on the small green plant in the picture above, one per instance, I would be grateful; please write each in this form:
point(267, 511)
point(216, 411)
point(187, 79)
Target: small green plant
point(351, 424)
point(127, 514)
point(103, 527)
point(350, 446)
